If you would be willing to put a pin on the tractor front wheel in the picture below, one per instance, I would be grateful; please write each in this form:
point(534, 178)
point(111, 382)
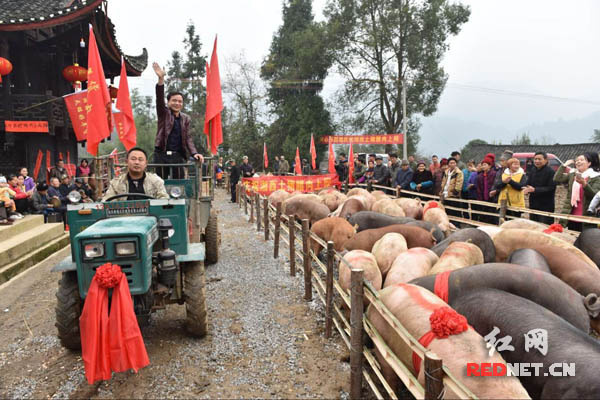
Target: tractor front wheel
point(68, 309)
point(211, 238)
point(194, 286)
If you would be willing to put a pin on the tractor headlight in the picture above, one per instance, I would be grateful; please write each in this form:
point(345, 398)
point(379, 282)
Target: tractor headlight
point(93, 250)
point(123, 249)
point(74, 197)
point(176, 192)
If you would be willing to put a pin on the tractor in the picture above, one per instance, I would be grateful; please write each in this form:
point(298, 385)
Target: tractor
point(161, 246)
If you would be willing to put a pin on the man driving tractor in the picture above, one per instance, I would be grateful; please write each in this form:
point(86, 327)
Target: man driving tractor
point(137, 180)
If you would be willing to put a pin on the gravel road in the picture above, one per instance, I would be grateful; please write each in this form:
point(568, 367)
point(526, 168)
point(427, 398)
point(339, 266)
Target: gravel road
point(263, 340)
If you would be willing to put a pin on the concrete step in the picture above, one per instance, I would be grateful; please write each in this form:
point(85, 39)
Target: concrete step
point(30, 259)
point(20, 226)
point(17, 246)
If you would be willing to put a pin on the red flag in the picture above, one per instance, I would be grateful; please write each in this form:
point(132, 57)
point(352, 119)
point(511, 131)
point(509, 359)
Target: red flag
point(313, 152)
point(125, 127)
point(331, 158)
point(99, 112)
point(76, 105)
point(214, 103)
point(38, 165)
point(298, 165)
point(351, 165)
point(265, 157)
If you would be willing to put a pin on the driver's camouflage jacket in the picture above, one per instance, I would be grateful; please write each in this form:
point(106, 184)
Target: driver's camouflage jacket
point(153, 186)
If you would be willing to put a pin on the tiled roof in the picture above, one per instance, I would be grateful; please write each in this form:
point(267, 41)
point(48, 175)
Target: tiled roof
point(19, 12)
point(563, 151)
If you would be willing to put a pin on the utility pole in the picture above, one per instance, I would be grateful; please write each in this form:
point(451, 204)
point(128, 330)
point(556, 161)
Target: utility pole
point(405, 139)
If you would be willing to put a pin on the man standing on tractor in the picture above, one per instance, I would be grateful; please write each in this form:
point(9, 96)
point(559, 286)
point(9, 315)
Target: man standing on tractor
point(137, 180)
point(174, 142)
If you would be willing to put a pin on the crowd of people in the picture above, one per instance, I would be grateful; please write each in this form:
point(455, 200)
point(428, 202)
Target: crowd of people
point(489, 180)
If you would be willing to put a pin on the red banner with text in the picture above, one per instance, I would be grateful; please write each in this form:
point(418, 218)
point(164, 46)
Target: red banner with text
point(390, 138)
point(266, 185)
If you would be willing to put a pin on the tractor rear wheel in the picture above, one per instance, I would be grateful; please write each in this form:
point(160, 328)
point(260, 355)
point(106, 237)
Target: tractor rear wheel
point(211, 238)
point(194, 286)
point(68, 309)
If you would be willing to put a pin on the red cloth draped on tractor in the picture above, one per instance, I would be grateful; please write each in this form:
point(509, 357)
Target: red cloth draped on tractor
point(110, 343)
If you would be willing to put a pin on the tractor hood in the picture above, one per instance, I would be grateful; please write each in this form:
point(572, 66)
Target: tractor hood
point(117, 226)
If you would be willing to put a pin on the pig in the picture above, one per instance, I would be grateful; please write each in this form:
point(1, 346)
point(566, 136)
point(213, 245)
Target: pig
point(388, 207)
point(332, 199)
point(589, 242)
point(492, 231)
point(367, 197)
point(540, 287)
point(363, 260)
point(509, 240)
point(305, 208)
point(387, 249)
point(372, 220)
point(439, 217)
point(457, 255)
point(514, 316)
point(335, 229)
point(472, 235)
point(351, 206)
point(435, 230)
point(555, 230)
point(415, 237)
point(529, 258)
point(412, 207)
point(412, 306)
point(379, 194)
point(278, 197)
point(411, 264)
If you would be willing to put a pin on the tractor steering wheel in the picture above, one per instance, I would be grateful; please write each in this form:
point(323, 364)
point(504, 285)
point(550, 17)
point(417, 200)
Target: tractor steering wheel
point(143, 195)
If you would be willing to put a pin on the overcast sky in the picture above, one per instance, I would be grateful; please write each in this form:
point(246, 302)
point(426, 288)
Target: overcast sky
point(539, 47)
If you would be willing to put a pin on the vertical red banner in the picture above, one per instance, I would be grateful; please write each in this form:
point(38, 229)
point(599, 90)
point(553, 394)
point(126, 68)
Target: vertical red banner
point(38, 165)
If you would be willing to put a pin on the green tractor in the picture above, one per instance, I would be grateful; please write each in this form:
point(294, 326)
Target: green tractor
point(161, 246)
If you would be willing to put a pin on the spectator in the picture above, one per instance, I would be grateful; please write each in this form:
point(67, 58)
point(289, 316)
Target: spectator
point(412, 163)
point(341, 167)
point(394, 168)
point(40, 202)
point(452, 184)
point(435, 165)
point(512, 183)
point(372, 158)
point(305, 167)
point(541, 188)
point(21, 198)
point(355, 160)
point(469, 170)
point(470, 185)
point(284, 166)
point(54, 192)
point(404, 176)
point(484, 185)
point(6, 195)
point(583, 184)
point(83, 169)
point(80, 185)
point(359, 170)
point(65, 186)
point(438, 175)
point(529, 166)
point(276, 166)
point(234, 178)
point(422, 180)
point(246, 168)
point(499, 171)
point(368, 175)
point(456, 155)
point(58, 170)
point(28, 181)
point(381, 175)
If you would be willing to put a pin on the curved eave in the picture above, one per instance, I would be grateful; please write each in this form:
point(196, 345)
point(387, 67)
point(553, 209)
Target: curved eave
point(49, 22)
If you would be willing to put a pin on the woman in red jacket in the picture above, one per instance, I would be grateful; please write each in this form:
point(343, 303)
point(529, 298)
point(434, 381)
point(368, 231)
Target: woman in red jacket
point(21, 197)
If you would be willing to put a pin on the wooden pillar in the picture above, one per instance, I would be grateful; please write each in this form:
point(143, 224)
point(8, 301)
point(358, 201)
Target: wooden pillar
point(356, 334)
point(258, 221)
point(266, 212)
point(245, 200)
point(250, 200)
point(369, 186)
point(277, 232)
point(291, 228)
point(434, 384)
point(398, 192)
point(237, 194)
point(307, 260)
point(329, 290)
point(502, 214)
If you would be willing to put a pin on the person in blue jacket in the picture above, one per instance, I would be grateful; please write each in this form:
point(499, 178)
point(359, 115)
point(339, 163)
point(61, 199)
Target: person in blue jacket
point(422, 180)
point(404, 175)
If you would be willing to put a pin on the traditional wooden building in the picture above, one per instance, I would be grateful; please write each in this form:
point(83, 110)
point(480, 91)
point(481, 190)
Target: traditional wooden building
point(40, 38)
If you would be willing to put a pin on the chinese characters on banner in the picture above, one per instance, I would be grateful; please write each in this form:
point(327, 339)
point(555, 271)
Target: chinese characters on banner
point(392, 138)
point(77, 106)
point(26, 126)
point(265, 185)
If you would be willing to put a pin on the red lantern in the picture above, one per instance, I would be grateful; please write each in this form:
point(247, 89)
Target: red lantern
point(74, 73)
point(5, 67)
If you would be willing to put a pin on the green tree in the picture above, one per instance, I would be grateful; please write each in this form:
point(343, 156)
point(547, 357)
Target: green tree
point(467, 152)
point(295, 67)
point(596, 136)
point(521, 139)
point(381, 45)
